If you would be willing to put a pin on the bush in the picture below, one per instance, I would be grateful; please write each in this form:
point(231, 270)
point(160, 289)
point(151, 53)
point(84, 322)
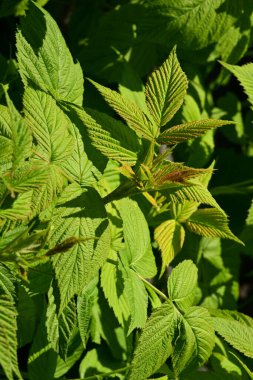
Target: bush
point(117, 259)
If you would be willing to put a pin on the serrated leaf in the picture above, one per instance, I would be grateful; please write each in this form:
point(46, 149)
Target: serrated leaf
point(188, 131)
point(135, 118)
point(21, 139)
point(176, 172)
point(44, 58)
point(165, 90)
point(137, 299)
point(8, 337)
point(139, 254)
point(154, 344)
point(182, 284)
point(195, 342)
point(210, 222)
point(49, 126)
point(78, 166)
point(170, 238)
point(236, 332)
point(81, 215)
point(21, 208)
point(7, 281)
point(196, 193)
point(182, 211)
point(30, 176)
point(103, 139)
point(84, 307)
point(112, 281)
point(244, 74)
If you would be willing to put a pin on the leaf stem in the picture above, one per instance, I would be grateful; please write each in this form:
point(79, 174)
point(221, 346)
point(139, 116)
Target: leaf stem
point(157, 291)
point(101, 375)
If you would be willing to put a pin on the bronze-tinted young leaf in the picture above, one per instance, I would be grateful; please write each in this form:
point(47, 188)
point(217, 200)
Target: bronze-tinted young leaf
point(188, 131)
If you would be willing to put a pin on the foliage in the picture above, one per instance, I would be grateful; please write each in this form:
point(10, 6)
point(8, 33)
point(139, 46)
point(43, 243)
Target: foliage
point(116, 258)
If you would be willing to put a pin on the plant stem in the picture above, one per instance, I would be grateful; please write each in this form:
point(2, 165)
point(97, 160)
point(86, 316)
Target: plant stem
point(157, 291)
point(100, 376)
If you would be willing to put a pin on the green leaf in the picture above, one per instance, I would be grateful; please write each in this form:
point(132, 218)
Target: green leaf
point(49, 126)
point(187, 131)
point(84, 307)
point(113, 284)
point(21, 208)
point(30, 176)
point(44, 58)
point(139, 254)
point(210, 222)
point(137, 259)
point(109, 143)
point(236, 329)
point(135, 118)
point(81, 215)
point(20, 135)
point(195, 342)
point(137, 299)
point(170, 238)
point(8, 337)
point(165, 90)
point(244, 74)
point(154, 344)
point(182, 284)
point(78, 166)
point(7, 281)
point(196, 193)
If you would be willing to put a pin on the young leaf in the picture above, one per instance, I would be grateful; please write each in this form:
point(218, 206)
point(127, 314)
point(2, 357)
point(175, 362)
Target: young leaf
point(165, 90)
point(182, 284)
point(188, 131)
point(135, 118)
point(196, 193)
point(44, 59)
point(103, 139)
point(170, 238)
point(154, 344)
point(210, 222)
